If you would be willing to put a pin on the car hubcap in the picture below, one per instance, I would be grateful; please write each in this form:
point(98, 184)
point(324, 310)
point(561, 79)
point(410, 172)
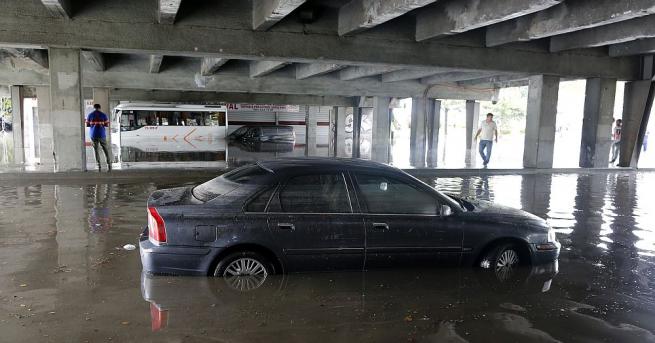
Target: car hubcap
point(245, 267)
point(506, 261)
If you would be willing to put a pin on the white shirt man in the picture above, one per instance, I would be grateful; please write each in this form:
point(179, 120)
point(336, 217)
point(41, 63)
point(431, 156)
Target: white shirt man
point(486, 133)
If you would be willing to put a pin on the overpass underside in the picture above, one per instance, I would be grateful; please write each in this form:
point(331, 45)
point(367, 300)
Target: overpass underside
point(349, 55)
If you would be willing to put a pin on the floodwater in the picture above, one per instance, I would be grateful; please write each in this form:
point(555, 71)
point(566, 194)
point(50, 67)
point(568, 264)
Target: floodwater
point(64, 276)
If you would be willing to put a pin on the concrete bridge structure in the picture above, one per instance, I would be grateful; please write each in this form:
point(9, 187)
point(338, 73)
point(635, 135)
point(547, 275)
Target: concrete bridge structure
point(341, 53)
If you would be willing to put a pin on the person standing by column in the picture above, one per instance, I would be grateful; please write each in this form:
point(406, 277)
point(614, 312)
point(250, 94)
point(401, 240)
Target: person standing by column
point(97, 121)
point(486, 132)
point(616, 140)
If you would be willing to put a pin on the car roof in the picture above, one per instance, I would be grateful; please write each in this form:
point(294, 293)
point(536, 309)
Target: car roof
point(283, 165)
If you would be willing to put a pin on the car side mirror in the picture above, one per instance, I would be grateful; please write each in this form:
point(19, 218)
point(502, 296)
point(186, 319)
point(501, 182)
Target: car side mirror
point(446, 210)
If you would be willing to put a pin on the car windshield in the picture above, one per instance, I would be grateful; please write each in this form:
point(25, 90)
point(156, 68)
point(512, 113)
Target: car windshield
point(252, 174)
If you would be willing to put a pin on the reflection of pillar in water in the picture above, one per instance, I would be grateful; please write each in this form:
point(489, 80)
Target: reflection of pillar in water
point(623, 250)
point(589, 202)
point(535, 193)
point(72, 237)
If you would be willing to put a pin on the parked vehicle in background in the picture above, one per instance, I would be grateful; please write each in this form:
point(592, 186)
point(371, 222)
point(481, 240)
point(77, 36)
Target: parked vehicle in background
point(303, 214)
point(5, 125)
point(269, 133)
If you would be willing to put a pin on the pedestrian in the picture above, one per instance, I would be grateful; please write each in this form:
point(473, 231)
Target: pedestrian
point(486, 132)
point(644, 145)
point(97, 121)
point(616, 140)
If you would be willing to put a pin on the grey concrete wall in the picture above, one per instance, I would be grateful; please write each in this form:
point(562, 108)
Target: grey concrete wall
point(597, 123)
point(381, 130)
point(635, 108)
point(357, 131)
point(472, 123)
point(17, 123)
point(45, 126)
point(540, 122)
point(66, 109)
point(420, 108)
point(434, 124)
point(341, 134)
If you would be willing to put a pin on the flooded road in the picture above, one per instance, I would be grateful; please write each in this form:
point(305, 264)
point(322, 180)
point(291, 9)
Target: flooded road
point(64, 275)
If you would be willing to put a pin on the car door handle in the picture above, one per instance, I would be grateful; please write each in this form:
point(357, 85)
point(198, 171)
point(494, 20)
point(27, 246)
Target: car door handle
point(286, 226)
point(380, 227)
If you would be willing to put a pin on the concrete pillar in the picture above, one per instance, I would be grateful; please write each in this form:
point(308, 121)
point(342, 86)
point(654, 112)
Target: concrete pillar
point(597, 123)
point(332, 132)
point(341, 135)
point(45, 126)
point(540, 122)
point(434, 124)
point(637, 104)
point(17, 123)
point(310, 131)
point(381, 130)
point(357, 128)
point(420, 108)
point(66, 109)
point(472, 123)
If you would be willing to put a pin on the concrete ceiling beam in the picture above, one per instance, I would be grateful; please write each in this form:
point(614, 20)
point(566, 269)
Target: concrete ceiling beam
point(305, 70)
point(567, 17)
point(155, 63)
point(219, 38)
point(125, 94)
point(637, 47)
point(261, 68)
point(457, 16)
point(95, 59)
point(352, 73)
point(412, 74)
point(58, 8)
point(210, 65)
point(266, 13)
point(624, 31)
point(359, 15)
point(454, 76)
point(167, 11)
point(496, 79)
point(30, 58)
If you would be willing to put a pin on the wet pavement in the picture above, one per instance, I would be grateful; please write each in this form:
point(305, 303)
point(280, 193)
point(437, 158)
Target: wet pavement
point(65, 277)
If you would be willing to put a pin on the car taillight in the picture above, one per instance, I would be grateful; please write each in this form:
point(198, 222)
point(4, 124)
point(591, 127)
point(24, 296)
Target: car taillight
point(156, 226)
point(158, 318)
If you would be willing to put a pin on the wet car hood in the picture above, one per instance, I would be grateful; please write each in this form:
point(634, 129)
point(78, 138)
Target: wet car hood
point(500, 213)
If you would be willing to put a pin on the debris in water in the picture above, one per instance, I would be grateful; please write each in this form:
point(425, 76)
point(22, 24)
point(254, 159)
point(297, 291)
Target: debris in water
point(129, 247)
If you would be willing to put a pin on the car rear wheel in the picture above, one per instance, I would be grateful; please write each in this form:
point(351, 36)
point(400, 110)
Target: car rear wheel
point(244, 270)
point(503, 259)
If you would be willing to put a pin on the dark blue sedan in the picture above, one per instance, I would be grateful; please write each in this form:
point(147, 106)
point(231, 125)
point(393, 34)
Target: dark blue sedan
point(304, 214)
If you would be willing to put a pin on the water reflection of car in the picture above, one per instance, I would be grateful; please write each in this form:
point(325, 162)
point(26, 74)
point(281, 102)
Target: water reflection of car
point(341, 297)
point(261, 133)
point(302, 214)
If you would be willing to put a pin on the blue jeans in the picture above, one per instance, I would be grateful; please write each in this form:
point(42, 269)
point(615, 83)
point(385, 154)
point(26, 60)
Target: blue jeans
point(485, 144)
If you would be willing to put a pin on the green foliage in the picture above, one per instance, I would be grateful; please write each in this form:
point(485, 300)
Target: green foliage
point(5, 108)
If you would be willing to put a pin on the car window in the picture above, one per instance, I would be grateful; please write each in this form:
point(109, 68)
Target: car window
point(391, 196)
point(317, 193)
point(258, 204)
point(251, 175)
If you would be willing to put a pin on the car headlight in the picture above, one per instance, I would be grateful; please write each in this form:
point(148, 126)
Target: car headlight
point(552, 238)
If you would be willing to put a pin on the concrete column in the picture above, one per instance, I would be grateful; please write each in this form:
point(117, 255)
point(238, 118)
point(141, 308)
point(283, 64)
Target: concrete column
point(332, 132)
point(597, 123)
point(66, 109)
point(637, 104)
point(17, 123)
point(540, 122)
point(310, 131)
point(341, 134)
point(357, 128)
point(45, 126)
point(472, 123)
point(420, 108)
point(434, 124)
point(381, 130)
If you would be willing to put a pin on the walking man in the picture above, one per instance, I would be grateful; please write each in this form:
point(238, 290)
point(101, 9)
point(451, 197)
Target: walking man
point(487, 131)
point(97, 121)
point(616, 140)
